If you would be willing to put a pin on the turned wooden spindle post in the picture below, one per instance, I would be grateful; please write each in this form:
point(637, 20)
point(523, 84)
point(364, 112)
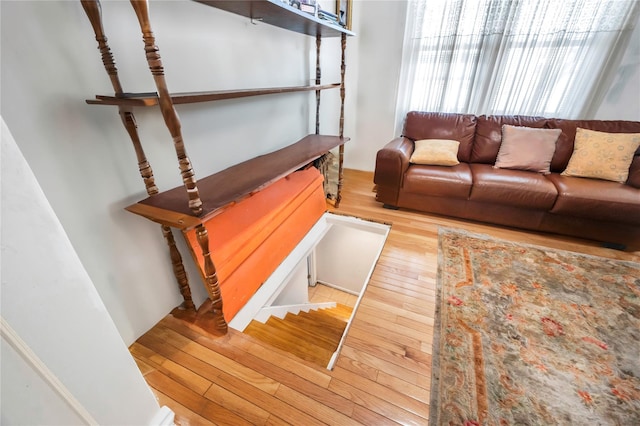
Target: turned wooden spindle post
point(318, 81)
point(129, 121)
point(343, 68)
point(178, 269)
point(93, 11)
point(167, 109)
point(210, 312)
point(214, 306)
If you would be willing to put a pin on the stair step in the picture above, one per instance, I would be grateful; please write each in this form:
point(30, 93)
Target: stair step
point(317, 328)
point(302, 334)
point(282, 340)
point(341, 311)
point(313, 336)
point(324, 318)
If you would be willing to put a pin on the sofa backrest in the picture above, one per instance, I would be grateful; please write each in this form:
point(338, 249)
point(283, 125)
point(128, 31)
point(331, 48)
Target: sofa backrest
point(489, 134)
point(564, 146)
point(480, 136)
point(433, 125)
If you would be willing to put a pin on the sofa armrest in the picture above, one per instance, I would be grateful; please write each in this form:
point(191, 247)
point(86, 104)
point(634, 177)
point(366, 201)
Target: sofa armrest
point(392, 161)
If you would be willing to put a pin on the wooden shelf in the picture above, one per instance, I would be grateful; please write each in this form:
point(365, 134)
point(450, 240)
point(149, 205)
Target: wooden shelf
point(213, 194)
point(232, 184)
point(151, 98)
point(279, 14)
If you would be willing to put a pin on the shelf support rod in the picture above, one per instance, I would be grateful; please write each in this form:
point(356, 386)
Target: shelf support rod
point(318, 80)
point(210, 312)
point(93, 11)
point(321, 163)
point(169, 113)
point(343, 68)
point(179, 272)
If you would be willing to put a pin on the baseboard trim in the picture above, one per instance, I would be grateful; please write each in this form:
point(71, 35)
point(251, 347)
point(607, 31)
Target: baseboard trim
point(39, 367)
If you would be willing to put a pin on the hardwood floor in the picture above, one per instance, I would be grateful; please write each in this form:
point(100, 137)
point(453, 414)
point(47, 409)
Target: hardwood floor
point(382, 375)
point(322, 293)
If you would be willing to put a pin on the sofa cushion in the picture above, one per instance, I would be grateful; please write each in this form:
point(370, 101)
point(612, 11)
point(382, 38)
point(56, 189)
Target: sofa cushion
point(596, 199)
point(436, 152)
point(526, 148)
point(564, 146)
point(433, 125)
point(436, 181)
point(489, 134)
point(515, 188)
point(602, 155)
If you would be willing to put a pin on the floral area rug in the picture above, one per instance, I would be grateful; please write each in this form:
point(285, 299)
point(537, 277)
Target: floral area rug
point(527, 335)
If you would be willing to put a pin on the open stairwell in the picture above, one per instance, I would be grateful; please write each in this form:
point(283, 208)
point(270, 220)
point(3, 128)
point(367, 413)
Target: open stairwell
point(313, 336)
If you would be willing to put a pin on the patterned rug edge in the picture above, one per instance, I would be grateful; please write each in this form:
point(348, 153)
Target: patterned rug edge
point(443, 232)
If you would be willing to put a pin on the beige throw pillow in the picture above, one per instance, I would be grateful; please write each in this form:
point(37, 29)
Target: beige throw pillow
point(601, 155)
point(527, 148)
point(436, 152)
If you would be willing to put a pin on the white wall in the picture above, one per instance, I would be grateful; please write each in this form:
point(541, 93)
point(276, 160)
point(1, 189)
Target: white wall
point(622, 101)
point(379, 52)
point(82, 156)
point(52, 307)
point(346, 256)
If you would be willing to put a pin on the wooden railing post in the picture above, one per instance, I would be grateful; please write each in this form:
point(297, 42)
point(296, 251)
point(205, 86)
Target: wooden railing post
point(129, 122)
point(211, 310)
point(318, 81)
point(178, 269)
point(210, 313)
point(169, 113)
point(343, 68)
point(94, 12)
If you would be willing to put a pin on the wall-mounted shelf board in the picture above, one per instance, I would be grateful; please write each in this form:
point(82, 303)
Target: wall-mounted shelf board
point(280, 14)
point(232, 184)
point(151, 98)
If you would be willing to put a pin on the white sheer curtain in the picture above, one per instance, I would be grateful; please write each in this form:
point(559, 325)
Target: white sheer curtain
point(551, 58)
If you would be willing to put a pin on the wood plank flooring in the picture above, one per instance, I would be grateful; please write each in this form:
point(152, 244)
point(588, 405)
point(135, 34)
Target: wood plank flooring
point(382, 375)
point(322, 293)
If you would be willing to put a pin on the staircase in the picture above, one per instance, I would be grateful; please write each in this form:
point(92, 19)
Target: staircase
point(313, 336)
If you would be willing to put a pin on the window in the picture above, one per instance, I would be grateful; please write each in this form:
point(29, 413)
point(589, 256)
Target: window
point(546, 57)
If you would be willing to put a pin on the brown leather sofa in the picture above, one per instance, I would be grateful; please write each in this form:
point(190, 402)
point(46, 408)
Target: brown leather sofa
point(588, 208)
